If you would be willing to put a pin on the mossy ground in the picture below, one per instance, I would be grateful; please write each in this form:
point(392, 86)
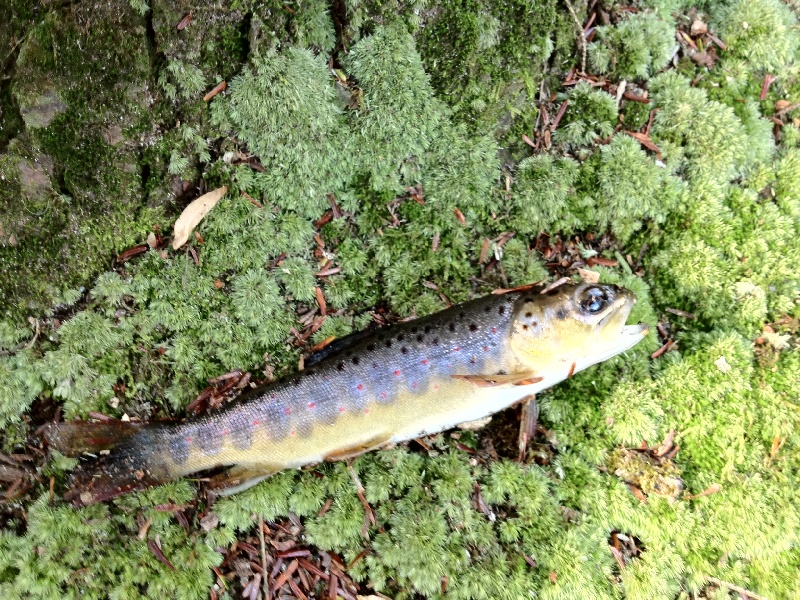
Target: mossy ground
point(381, 143)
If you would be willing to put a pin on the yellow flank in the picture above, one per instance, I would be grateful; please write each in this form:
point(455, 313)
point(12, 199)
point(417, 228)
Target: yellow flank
point(413, 414)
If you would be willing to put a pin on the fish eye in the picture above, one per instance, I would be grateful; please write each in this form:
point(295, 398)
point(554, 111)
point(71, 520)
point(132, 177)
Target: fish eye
point(595, 299)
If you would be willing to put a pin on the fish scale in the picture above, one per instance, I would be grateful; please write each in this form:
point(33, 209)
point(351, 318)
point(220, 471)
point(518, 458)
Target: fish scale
point(379, 388)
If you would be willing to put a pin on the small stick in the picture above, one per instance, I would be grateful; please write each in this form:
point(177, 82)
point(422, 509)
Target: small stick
point(361, 496)
point(663, 349)
point(220, 87)
point(680, 313)
point(581, 38)
point(555, 284)
point(561, 110)
point(736, 588)
point(265, 573)
point(527, 427)
point(639, 258)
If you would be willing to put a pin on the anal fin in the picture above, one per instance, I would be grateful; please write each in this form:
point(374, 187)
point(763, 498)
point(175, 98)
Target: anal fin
point(239, 478)
point(358, 449)
point(524, 378)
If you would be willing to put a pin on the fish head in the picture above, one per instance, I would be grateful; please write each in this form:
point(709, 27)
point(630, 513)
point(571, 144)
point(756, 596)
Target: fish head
point(573, 327)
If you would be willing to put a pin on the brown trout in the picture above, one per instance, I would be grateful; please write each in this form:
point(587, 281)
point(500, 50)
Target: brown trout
point(371, 390)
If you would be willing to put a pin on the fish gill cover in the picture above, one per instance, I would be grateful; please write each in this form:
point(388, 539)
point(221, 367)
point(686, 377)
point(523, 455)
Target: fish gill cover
point(384, 160)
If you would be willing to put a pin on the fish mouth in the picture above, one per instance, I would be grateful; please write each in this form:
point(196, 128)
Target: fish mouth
point(629, 335)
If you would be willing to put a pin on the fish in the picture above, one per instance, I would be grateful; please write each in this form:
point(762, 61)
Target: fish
point(366, 391)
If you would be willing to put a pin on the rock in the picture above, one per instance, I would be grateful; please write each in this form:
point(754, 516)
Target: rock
point(41, 111)
point(34, 177)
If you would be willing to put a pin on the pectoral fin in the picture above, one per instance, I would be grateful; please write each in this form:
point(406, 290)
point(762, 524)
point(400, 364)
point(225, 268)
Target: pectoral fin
point(524, 378)
point(358, 449)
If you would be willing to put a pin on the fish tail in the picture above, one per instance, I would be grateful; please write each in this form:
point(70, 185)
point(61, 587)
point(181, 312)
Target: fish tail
point(125, 457)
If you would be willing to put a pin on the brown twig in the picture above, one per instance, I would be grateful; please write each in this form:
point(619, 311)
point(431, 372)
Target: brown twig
point(265, 580)
point(581, 38)
point(735, 588)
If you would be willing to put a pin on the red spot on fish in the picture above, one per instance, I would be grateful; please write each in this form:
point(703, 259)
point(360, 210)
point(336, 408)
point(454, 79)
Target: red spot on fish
point(435, 387)
point(287, 411)
point(341, 409)
point(397, 372)
point(292, 432)
point(424, 361)
point(494, 329)
point(224, 432)
point(374, 365)
point(189, 439)
point(383, 394)
point(256, 422)
point(274, 396)
point(312, 404)
point(360, 386)
point(486, 348)
point(456, 349)
point(366, 411)
point(414, 384)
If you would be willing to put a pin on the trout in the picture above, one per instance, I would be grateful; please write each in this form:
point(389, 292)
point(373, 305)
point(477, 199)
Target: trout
point(366, 391)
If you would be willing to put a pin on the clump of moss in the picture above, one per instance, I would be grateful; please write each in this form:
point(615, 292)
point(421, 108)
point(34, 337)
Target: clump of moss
point(760, 33)
point(634, 48)
point(591, 115)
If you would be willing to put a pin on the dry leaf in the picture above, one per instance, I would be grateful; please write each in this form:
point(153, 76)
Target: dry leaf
point(589, 276)
point(193, 214)
point(698, 27)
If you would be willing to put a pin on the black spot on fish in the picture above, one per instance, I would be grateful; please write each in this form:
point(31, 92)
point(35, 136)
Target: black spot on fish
point(529, 314)
point(487, 308)
point(401, 337)
point(370, 347)
point(435, 341)
point(420, 338)
point(525, 327)
point(356, 360)
point(388, 343)
point(561, 314)
point(501, 310)
point(179, 449)
point(414, 329)
point(473, 327)
point(461, 315)
point(404, 350)
point(452, 326)
point(534, 324)
point(427, 329)
point(340, 366)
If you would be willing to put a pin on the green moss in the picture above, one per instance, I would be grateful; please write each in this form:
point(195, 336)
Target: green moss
point(403, 135)
point(591, 115)
point(760, 33)
point(635, 48)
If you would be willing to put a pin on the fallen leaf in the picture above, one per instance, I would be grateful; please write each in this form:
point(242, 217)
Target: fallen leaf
point(193, 214)
point(589, 276)
point(698, 27)
point(645, 141)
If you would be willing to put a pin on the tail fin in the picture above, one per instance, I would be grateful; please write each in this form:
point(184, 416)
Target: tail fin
point(131, 457)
